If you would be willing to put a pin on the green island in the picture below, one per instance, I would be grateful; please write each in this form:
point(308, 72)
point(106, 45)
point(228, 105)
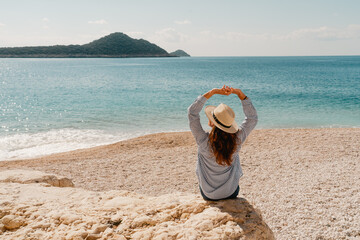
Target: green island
point(114, 45)
point(179, 53)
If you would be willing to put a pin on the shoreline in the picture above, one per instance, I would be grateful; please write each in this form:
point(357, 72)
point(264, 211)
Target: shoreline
point(165, 145)
point(91, 145)
point(95, 145)
point(304, 181)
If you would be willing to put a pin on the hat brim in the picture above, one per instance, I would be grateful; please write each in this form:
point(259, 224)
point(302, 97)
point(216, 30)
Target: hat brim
point(209, 110)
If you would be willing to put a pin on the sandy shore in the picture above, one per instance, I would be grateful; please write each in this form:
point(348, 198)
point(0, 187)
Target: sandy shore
point(304, 181)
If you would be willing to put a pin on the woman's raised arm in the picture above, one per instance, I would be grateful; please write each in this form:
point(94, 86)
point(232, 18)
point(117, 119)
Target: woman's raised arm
point(251, 117)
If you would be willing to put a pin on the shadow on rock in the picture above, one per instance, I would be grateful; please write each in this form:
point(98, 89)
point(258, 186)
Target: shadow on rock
point(248, 219)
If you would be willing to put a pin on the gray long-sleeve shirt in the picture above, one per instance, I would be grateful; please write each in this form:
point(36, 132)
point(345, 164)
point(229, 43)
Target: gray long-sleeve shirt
point(218, 181)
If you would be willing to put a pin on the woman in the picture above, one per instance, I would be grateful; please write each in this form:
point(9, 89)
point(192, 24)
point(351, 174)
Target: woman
point(218, 167)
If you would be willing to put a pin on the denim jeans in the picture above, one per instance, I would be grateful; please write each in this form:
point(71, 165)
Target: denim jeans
point(232, 196)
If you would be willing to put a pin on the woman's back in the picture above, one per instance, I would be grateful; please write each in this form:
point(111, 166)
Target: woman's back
point(219, 181)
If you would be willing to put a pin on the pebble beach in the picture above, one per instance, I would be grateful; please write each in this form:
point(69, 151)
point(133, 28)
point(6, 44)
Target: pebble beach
point(302, 182)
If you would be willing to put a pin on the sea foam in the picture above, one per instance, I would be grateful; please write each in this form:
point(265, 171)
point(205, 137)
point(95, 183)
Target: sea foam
point(28, 145)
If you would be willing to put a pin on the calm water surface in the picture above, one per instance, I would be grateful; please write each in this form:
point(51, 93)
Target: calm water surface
point(55, 105)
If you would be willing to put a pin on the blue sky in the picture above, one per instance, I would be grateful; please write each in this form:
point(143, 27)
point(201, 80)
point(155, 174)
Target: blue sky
point(202, 28)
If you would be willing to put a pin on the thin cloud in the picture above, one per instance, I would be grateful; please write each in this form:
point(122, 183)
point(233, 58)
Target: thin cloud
point(45, 21)
point(324, 33)
point(234, 36)
point(183, 22)
point(205, 32)
point(170, 35)
point(2, 24)
point(101, 21)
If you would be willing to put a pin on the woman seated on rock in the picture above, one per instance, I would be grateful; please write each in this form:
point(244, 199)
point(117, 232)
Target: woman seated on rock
point(218, 167)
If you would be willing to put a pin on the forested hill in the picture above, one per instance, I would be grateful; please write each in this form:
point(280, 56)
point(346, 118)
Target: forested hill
point(179, 53)
point(113, 45)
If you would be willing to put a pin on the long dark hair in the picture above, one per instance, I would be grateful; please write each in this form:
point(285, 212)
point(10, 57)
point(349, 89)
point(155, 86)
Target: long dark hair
point(223, 145)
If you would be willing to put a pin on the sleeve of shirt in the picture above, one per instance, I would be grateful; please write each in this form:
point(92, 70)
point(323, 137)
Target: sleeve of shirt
point(251, 119)
point(194, 119)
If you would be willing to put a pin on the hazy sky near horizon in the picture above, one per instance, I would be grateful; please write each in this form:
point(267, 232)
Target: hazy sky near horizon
point(201, 28)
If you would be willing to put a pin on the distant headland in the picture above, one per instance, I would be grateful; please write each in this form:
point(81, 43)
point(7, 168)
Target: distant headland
point(115, 45)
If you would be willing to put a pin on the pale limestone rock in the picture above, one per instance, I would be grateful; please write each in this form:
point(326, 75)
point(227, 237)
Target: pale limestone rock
point(2, 228)
point(144, 235)
point(69, 218)
point(55, 213)
point(108, 232)
point(42, 225)
point(142, 221)
point(99, 228)
point(119, 237)
point(116, 219)
point(11, 222)
point(93, 236)
point(116, 237)
point(76, 235)
point(30, 176)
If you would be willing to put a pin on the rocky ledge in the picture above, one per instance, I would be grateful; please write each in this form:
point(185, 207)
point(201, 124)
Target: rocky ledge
point(35, 205)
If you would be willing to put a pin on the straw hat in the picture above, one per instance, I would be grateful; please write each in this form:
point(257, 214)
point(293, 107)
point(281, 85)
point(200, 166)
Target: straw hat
point(222, 117)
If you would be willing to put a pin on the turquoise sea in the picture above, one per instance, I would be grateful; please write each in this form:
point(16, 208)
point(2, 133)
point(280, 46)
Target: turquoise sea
point(56, 105)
